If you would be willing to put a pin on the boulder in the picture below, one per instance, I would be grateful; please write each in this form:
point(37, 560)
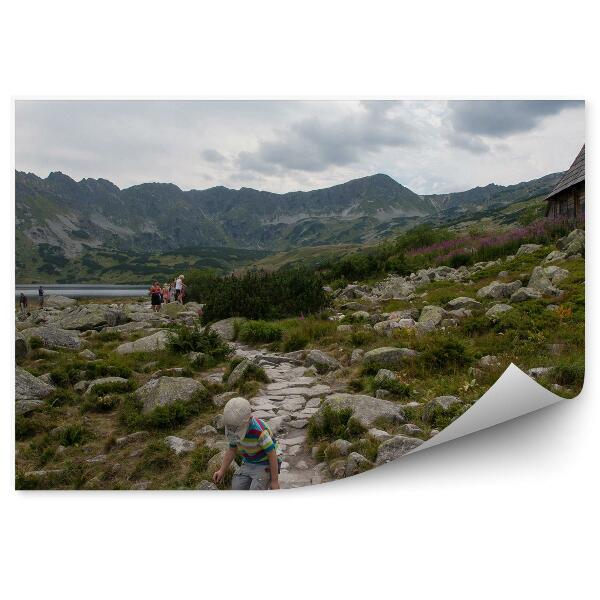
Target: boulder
point(365, 409)
point(357, 356)
point(54, 337)
point(52, 301)
point(540, 281)
point(388, 357)
point(222, 399)
point(166, 390)
point(384, 375)
point(431, 315)
point(226, 328)
point(21, 346)
point(379, 435)
point(554, 256)
point(495, 311)
point(556, 274)
point(151, 343)
point(342, 447)
point(344, 328)
point(526, 293)
point(214, 464)
point(443, 402)
point(30, 391)
point(102, 381)
point(464, 302)
point(497, 290)
point(239, 372)
point(115, 317)
point(572, 244)
point(82, 318)
point(528, 249)
point(489, 362)
point(87, 354)
point(357, 463)
point(322, 361)
point(538, 372)
point(179, 445)
point(396, 447)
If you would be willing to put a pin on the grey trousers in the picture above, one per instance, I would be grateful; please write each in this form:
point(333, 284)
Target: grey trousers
point(250, 476)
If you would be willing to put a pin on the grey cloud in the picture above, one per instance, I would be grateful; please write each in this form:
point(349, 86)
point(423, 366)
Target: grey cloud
point(473, 144)
point(500, 118)
point(315, 144)
point(213, 156)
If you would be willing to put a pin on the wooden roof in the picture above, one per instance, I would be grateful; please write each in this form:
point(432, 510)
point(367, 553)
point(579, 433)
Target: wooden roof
point(575, 174)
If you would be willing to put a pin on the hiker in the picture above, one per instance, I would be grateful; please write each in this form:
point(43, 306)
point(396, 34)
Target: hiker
point(41, 296)
point(155, 296)
point(178, 288)
point(172, 291)
point(23, 303)
point(166, 292)
point(252, 438)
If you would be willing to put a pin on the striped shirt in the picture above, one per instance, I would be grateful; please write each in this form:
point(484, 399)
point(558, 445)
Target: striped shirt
point(257, 443)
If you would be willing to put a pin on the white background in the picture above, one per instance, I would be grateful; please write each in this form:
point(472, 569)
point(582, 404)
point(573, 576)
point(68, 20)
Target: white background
point(507, 513)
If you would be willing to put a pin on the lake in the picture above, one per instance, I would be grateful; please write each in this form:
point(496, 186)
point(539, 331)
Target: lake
point(77, 290)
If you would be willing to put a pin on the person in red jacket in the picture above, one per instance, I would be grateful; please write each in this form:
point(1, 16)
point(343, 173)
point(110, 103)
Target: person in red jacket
point(155, 296)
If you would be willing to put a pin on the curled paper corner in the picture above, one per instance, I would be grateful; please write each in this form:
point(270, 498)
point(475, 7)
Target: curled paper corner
point(514, 394)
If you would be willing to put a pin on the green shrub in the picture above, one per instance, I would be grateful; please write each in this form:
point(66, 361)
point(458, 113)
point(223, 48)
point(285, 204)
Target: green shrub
point(168, 416)
point(35, 342)
point(74, 434)
point(258, 294)
point(112, 387)
point(330, 423)
point(445, 353)
point(72, 476)
point(61, 397)
point(570, 374)
point(200, 457)
point(156, 457)
point(184, 339)
point(295, 341)
point(440, 418)
point(104, 403)
point(259, 331)
point(367, 447)
point(394, 386)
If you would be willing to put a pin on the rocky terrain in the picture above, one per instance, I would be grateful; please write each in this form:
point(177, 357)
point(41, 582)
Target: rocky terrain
point(113, 396)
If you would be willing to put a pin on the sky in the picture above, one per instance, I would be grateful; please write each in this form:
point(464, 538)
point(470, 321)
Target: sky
point(280, 146)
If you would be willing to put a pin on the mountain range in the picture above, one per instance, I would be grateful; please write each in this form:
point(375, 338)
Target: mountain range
point(59, 219)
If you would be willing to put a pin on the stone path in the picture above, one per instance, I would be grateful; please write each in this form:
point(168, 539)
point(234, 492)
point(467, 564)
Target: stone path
point(286, 404)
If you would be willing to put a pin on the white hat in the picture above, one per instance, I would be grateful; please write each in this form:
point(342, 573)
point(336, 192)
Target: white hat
point(236, 416)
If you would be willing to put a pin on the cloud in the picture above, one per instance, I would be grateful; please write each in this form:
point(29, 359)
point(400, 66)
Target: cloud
point(212, 156)
point(501, 118)
point(315, 144)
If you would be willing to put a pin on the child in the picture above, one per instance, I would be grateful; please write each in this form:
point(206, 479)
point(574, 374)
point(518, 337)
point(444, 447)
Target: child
point(252, 438)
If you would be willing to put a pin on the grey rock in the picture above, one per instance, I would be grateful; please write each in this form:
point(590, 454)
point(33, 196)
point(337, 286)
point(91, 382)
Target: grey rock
point(102, 381)
point(21, 346)
point(538, 372)
point(540, 281)
point(528, 249)
point(222, 399)
point(366, 409)
point(151, 343)
point(166, 390)
point(206, 485)
point(572, 244)
point(206, 430)
point(524, 294)
point(383, 394)
point(29, 391)
point(179, 445)
point(489, 362)
point(82, 318)
point(388, 356)
point(356, 463)
point(432, 315)
point(226, 328)
point(464, 302)
point(384, 375)
point(132, 438)
point(495, 311)
point(81, 386)
point(443, 402)
point(341, 446)
point(395, 448)
point(498, 289)
point(239, 372)
point(357, 356)
point(57, 301)
point(322, 361)
point(115, 317)
point(87, 354)
point(555, 256)
point(337, 468)
point(275, 424)
point(298, 423)
point(556, 274)
point(378, 434)
point(411, 429)
point(344, 328)
point(54, 337)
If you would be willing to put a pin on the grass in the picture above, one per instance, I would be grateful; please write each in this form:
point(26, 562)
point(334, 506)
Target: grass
point(332, 424)
point(256, 332)
point(184, 339)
